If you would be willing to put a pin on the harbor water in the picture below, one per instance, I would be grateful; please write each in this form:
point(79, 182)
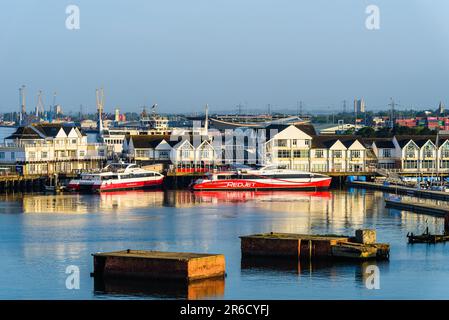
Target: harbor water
point(42, 235)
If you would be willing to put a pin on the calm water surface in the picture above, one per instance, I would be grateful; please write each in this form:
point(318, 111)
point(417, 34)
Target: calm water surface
point(40, 235)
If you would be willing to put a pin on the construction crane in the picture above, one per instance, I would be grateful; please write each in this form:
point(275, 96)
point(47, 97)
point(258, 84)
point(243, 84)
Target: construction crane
point(39, 105)
point(22, 99)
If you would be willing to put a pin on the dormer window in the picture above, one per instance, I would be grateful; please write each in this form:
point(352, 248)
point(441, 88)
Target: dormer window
point(428, 151)
point(410, 151)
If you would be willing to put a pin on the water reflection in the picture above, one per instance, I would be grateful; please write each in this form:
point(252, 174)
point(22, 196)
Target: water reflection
point(82, 204)
point(343, 209)
point(194, 290)
point(318, 268)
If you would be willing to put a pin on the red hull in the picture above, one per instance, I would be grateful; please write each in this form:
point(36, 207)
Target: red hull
point(117, 186)
point(256, 185)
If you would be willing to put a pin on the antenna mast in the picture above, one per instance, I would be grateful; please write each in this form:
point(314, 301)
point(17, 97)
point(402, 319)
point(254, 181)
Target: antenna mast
point(100, 107)
point(392, 104)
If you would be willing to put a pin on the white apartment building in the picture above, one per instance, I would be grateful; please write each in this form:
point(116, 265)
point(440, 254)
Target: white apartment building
point(182, 153)
point(50, 148)
point(298, 150)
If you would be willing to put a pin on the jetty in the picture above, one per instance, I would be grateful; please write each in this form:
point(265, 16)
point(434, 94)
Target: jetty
point(396, 189)
point(139, 264)
point(303, 246)
point(430, 209)
point(419, 207)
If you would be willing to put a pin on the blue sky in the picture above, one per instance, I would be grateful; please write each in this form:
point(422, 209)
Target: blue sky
point(183, 54)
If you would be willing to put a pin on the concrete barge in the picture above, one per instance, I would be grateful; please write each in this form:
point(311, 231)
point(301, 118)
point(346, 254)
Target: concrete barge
point(158, 265)
point(301, 246)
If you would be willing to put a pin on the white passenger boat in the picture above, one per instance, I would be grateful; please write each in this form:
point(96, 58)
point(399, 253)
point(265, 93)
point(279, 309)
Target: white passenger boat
point(117, 176)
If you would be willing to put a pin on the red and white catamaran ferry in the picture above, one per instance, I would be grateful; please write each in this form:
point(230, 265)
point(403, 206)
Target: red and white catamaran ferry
point(264, 178)
point(117, 176)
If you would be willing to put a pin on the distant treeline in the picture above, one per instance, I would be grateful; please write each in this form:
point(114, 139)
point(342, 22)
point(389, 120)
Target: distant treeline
point(369, 132)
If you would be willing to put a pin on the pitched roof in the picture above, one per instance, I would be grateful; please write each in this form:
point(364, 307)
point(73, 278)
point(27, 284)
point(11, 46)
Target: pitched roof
point(306, 128)
point(147, 141)
point(24, 133)
point(327, 141)
point(384, 144)
point(419, 140)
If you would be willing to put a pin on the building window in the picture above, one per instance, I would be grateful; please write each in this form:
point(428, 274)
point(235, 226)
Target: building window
point(205, 154)
point(284, 154)
point(163, 154)
point(319, 167)
point(140, 153)
point(82, 153)
point(307, 143)
point(410, 152)
point(301, 153)
point(445, 151)
point(73, 141)
point(319, 153)
point(101, 153)
point(32, 155)
point(337, 154)
point(186, 153)
point(428, 164)
point(410, 164)
point(282, 143)
point(13, 155)
point(2, 155)
point(44, 154)
point(387, 153)
point(428, 152)
point(355, 154)
point(444, 164)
